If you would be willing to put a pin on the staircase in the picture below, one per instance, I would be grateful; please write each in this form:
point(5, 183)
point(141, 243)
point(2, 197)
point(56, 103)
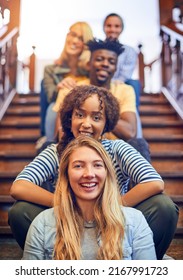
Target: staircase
point(19, 130)
point(162, 128)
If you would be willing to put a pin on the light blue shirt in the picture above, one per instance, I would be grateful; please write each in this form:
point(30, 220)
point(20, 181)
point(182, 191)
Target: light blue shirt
point(137, 244)
point(126, 64)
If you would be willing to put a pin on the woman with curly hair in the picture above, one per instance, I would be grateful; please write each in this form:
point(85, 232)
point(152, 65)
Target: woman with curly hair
point(87, 221)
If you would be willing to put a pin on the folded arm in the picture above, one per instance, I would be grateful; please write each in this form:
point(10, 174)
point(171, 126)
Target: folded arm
point(126, 127)
point(142, 191)
point(24, 190)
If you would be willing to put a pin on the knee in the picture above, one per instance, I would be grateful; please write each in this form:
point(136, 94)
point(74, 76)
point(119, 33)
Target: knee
point(165, 208)
point(17, 211)
point(23, 212)
point(159, 207)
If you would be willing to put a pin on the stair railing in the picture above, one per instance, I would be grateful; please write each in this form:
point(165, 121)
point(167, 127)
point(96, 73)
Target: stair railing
point(29, 70)
point(172, 64)
point(146, 70)
point(8, 69)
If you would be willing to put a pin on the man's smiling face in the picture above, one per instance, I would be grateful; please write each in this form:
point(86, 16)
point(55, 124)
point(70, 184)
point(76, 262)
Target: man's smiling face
point(102, 66)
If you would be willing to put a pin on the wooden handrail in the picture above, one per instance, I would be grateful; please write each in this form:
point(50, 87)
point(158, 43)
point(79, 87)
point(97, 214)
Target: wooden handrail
point(9, 36)
point(172, 29)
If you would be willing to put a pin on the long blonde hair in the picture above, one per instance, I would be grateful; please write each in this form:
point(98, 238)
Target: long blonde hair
point(87, 35)
point(107, 211)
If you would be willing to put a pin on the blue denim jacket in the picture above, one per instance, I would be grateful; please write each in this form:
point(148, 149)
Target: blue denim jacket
point(137, 244)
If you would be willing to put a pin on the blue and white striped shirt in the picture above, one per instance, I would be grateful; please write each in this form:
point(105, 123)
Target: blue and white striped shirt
point(127, 162)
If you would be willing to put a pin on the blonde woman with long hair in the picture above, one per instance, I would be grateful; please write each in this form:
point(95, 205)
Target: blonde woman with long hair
point(87, 221)
point(70, 66)
point(85, 35)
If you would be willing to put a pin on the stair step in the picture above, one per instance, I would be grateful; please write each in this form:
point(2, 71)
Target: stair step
point(32, 93)
point(178, 155)
point(179, 232)
point(173, 186)
point(20, 155)
point(169, 166)
point(17, 150)
point(30, 137)
point(151, 96)
point(165, 146)
point(164, 138)
point(172, 175)
point(161, 132)
point(29, 95)
point(147, 112)
point(10, 169)
point(19, 121)
point(19, 133)
point(24, 104)
point(151, 101)
point(158, 109)
point(18, 147)
point(162, 124)
point(26, 100)
point(23, 111)
point(5, 186)
point(157, 118)
point(177, 198)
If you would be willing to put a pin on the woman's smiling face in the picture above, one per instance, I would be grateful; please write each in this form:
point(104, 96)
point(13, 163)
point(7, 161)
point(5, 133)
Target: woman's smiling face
point(87, 174)
point(113, 27)
point(89, 119)
point(74, 41)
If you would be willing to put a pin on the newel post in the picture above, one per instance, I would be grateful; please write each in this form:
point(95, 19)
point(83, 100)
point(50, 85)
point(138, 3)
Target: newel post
point(32, 68)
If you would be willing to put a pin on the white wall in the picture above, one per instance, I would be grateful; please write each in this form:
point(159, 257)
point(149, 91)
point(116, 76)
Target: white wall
point(45, 23)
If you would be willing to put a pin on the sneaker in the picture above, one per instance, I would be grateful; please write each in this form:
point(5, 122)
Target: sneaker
point(167, 258)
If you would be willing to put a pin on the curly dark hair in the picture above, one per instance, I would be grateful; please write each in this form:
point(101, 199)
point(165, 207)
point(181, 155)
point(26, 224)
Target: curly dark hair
point(75, 99)
point(108, 44)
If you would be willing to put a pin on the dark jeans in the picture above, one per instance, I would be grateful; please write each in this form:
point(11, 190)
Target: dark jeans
point(43, 108)
point(159, 210)
point(162, 215)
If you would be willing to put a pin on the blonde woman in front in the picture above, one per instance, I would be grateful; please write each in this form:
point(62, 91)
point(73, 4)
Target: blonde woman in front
point(87, 221)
